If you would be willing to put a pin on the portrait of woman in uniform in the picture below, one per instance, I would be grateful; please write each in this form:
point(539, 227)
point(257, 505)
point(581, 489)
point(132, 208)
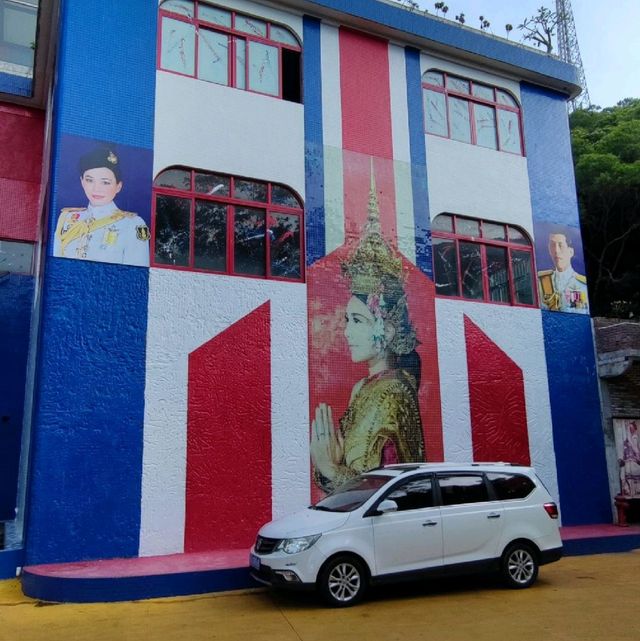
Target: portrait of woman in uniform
point(382, 423)
point(101, 231)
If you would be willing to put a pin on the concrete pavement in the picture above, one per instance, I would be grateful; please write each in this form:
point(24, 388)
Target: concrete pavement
point(586, 598)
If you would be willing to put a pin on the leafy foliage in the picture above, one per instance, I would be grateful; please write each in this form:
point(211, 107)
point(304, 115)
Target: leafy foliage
point(541, 28)
point(606, 150)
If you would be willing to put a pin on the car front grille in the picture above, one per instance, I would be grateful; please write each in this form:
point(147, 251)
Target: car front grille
point(265, 545)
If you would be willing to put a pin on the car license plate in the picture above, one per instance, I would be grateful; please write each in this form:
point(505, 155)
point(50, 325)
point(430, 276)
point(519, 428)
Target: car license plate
point(254, 561)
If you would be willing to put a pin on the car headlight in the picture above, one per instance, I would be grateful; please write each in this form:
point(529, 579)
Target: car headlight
point(293, 546)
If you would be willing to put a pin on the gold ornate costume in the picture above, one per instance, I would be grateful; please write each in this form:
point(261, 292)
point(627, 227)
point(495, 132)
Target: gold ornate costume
point(383, 412)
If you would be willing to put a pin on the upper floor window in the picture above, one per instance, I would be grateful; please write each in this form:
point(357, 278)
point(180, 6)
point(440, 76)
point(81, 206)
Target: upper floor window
point(219, 223)
point(471, 112)
point(229, 48)
point(18, 22)
point(16, 257)
point(482, 260)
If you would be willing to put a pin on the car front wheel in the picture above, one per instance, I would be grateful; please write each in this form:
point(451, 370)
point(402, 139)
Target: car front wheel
point(343, 581)
point(519, 566)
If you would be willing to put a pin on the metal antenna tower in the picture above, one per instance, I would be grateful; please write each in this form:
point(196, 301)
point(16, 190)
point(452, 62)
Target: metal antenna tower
point(570, 51)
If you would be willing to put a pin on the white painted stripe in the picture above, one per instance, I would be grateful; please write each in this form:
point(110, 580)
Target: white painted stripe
point(401, 152)
point(333, 198)
point(518, 332)
point(332, 138)
point(404, 210)
point(185, 311)
point(331, 95)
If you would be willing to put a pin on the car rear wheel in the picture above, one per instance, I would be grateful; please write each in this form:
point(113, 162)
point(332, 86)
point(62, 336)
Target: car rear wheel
point(519, 566)
point(343, 581)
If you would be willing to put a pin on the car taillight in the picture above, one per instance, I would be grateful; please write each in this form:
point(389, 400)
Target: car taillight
point(551, 509)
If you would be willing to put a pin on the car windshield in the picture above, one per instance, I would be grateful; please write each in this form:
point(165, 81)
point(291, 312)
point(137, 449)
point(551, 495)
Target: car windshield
point(352, 494)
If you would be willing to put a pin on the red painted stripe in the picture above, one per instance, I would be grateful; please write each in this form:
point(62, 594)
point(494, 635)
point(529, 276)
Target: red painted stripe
point(228, 495)
point(366, 130)
point(497, 401)
point(366, 98)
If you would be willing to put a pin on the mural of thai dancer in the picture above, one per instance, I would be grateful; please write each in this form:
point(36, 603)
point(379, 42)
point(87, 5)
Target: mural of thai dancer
point(382, 423)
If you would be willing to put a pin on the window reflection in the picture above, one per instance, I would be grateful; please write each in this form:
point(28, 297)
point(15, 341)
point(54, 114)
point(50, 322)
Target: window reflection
point(172, 230)
point(249, 245)
point(18, 24)
point(471, 270)
point(210, 251)
point(284, 237)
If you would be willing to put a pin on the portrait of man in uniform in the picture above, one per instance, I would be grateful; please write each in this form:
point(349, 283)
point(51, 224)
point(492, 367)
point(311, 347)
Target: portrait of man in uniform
point(562, 289)
point(101, 231)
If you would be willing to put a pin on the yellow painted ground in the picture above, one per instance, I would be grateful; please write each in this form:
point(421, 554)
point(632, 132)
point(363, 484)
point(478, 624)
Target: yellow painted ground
point(578, 599)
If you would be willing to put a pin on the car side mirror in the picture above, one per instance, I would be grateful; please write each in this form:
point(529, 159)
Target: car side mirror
point(387, 506)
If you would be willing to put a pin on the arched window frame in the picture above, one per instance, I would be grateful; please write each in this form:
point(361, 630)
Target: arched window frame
point(235, 34)
point(231, 202)
point(451, 227)
point(451, 88)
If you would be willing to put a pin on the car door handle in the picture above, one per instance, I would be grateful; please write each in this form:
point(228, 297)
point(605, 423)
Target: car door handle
point(493, 515)
point(429, 523)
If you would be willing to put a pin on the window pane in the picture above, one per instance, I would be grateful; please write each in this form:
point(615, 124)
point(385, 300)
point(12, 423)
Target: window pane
point(241, 63)
point(459, 118)
point(251, 25)
point(211, 184)
point(459, 489)
point(457, 84)
point(516, 236)
point(415, 494)
point(509, 131)
point(214, 14)
point(16, 257)
point(435, 112)
point(263, 68)
point(284, 236)
point(18, 26)
point(172, 230)
point(522, 276)
point(482, 91)
point(182, 7)
point(291, 89)
point(471, 270)
point(250, 190)
point(213, 57)
point(498, 273)
point(468, 227)
point(178, 46)
point(283, 196)
point(174, 179)
point(493, 231)
point(510, 486)
point(505, 99)
point(445, 265)
point(485, 120)
point(280, 34)
point(434, 78)
point(248, 242)
point(443, 222)
point(211, 236)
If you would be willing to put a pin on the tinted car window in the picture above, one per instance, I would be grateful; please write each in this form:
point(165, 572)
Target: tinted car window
point(352, 494)
point(413, 494)
point(510, 486)
point(462, 488)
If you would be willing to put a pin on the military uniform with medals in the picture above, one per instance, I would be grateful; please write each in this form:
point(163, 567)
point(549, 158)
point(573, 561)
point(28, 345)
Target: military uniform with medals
point(563, 291)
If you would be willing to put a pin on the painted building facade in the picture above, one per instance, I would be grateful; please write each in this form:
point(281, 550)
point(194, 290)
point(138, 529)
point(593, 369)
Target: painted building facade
point(345, 234)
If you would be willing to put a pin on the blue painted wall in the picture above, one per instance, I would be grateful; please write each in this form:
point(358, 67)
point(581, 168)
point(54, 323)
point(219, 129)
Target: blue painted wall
point(86, 462)
point(16, 299)
point(569, 348)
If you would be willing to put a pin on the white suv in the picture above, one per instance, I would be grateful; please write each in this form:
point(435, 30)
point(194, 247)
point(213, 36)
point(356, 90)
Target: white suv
point(403, 521)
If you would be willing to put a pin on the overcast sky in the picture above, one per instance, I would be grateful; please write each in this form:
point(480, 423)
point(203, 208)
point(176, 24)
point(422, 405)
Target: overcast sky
point(608, 35)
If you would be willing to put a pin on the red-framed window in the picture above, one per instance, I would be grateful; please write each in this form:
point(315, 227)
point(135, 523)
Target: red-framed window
point(471, 112)
point(215, 44)
point(218, 223)
point(481, 260)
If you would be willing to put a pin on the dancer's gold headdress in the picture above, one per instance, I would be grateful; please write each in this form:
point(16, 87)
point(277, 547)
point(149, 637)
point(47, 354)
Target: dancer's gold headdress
point(375, 272)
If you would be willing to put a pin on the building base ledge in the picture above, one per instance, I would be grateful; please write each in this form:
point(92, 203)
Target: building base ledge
point(224, 570)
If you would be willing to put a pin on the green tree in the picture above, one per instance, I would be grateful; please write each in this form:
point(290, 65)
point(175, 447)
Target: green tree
point(606, 150)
